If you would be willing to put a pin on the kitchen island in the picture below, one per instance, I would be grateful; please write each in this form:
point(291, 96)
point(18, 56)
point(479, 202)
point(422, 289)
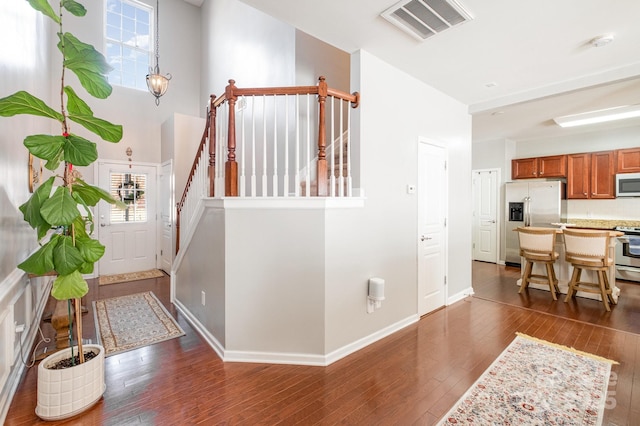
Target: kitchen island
point(564, 269)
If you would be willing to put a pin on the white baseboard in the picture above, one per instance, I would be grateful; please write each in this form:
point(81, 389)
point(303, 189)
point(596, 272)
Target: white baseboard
point(290, 358)
point(459, 296)
point(201, 329)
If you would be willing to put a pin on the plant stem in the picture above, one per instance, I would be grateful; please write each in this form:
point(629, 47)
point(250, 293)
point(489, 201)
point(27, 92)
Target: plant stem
point(79, 329)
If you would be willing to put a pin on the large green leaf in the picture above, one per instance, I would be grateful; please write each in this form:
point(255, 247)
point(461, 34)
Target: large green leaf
point(60, 209)
point(47, 147)
point(107, 131)
point(71, 286)
point(96, 84)
point(41, 261)
point(79, 151)
point(90, 249)
point(54, 163)
point(75, 105)
point(31, 209)
point(25, 103)
point(79, 226)
point(46, 9)
point(66, 257)
point(87, 63)
point(82, 114)
point(74, 7)
point(92, 194)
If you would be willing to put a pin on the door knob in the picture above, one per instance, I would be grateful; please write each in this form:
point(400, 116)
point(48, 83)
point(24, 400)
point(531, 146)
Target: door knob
point(423, 238)
point(103, 224)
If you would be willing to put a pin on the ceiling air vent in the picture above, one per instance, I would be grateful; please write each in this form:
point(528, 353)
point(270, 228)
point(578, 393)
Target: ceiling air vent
point(424, 18)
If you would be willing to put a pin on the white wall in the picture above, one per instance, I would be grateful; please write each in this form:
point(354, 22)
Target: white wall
point(135, 109)
point(24, 59)
point(246, 45)
point(380, 240)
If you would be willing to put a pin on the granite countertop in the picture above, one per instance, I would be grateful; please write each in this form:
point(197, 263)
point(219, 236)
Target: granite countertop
point(602, 223)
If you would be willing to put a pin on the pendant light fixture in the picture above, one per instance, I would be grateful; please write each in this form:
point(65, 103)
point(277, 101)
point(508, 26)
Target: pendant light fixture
point(156, 82)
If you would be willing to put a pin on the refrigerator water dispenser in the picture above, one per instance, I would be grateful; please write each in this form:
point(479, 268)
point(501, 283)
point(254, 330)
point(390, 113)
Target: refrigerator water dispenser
point(516, 212)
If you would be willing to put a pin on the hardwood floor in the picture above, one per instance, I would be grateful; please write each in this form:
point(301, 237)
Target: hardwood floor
point(411, 377)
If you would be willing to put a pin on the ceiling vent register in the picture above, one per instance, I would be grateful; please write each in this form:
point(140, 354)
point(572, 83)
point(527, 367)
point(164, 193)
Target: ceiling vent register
point(425, 18)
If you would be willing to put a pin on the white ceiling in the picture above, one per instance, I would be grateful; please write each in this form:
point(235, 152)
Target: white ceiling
point(532, 50)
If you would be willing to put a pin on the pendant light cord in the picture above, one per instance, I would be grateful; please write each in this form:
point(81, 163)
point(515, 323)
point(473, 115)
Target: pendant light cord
point(157, 70)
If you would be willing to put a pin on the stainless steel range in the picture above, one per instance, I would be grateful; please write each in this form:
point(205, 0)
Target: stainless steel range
point(627, 263)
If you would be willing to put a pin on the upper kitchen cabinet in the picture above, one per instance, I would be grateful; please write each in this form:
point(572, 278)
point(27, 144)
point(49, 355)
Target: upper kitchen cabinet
point(554, 166)
point(628, 160)
point(591, 175)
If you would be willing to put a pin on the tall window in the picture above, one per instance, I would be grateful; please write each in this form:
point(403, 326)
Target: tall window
point(129, 42)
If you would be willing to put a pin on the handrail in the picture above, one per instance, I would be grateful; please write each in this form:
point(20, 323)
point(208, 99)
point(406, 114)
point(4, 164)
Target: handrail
point(209, 140)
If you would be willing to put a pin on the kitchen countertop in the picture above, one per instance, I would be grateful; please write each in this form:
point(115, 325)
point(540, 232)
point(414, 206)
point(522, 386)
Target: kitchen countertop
point(602, 223)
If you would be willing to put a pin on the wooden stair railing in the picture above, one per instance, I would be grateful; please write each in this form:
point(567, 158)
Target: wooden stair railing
point(210, 135)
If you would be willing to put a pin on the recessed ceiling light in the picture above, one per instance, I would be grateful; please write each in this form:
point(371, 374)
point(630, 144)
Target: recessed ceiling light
point(497, 113)
point(490, 85)
point(602, 40)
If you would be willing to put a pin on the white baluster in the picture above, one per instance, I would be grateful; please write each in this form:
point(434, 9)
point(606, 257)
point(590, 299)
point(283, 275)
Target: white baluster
point(243, 101)
point(274, 177)
point(332, 168)
point(253, 146)
point(309, 145)
point(285, 182)
point(264, 146)
point(341, 163)
point(349, 182)
point(297, 149)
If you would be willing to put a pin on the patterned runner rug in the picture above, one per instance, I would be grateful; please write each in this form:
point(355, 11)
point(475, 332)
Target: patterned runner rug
point(534, 382)
point(131, 276)
point(129, 322)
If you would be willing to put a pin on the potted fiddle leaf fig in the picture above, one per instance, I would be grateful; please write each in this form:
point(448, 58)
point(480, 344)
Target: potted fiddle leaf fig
point(60, 209)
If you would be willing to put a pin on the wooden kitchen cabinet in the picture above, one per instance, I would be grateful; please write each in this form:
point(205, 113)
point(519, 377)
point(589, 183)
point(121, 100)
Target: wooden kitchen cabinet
point(524, 168)
point(591, 175)
point(628, 160)
point(553, 166)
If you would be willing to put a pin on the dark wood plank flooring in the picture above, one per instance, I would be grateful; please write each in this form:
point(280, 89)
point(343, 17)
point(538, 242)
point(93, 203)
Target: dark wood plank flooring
point(411, 377)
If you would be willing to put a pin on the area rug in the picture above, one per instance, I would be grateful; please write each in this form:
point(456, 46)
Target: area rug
point(534, 382)
point(130, 322)
point(131, 276)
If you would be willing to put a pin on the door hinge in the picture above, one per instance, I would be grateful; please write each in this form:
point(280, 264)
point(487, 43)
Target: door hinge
point(445, 280)
point(474, 245)
point(445, 165)
point(445, 222)
point(160, 252)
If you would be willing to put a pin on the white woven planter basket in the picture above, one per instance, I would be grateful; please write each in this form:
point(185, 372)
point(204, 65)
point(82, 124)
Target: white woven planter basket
point(67, 392)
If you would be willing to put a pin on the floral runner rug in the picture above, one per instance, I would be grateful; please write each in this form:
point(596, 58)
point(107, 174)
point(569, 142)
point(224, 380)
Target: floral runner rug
point(131, 276)
point(534, 382)
point(129, 322)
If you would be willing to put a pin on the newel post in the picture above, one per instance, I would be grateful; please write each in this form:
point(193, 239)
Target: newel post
point(212, 145)
point(322, 143)
point(231, 166)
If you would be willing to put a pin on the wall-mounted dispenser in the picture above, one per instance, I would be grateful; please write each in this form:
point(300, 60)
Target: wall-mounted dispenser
point(375, 295)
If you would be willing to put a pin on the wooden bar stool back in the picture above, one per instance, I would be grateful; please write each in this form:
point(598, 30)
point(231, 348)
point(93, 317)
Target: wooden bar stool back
point(537, 246)
point(589, 249)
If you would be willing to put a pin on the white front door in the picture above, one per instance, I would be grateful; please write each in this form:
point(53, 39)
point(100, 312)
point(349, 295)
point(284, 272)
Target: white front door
point(166, 217)
point(432, 216)
point(129, 236)
point(485, 215)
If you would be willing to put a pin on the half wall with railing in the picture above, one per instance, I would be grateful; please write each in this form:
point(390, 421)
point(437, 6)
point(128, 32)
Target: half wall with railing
point(273, 143)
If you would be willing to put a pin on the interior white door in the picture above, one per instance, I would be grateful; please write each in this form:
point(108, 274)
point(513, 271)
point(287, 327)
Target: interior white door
point(129, 236)
point(432, 217)
point(166, 216)
point(485, 215)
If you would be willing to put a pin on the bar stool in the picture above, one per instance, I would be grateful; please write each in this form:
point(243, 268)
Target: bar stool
point(536, 246)
point(588, 249)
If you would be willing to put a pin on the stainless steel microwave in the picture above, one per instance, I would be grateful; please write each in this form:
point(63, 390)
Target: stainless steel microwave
point(628, 185)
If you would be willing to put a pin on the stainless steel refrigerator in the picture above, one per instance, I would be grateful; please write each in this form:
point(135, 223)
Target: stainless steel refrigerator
point(531, 203)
